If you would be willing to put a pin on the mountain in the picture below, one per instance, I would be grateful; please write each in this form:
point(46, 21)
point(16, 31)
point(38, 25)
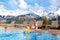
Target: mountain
point(30, 16)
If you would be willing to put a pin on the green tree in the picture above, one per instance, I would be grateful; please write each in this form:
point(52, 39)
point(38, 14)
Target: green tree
point(45, 21)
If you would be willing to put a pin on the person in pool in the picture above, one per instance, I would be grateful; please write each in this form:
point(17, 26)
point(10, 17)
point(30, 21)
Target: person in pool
point(5, 28)
point(35, 24)
point(26, 29)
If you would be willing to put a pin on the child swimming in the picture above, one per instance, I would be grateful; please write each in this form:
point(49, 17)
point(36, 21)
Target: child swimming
point(5, 28)
point(26, 29)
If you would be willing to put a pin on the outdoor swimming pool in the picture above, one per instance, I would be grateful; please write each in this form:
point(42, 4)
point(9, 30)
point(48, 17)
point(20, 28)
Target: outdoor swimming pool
point(20, 35)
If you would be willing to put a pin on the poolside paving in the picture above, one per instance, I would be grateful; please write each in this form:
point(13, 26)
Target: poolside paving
point(53, 31)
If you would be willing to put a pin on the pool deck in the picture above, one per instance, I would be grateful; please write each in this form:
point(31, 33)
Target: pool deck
point(53, 31)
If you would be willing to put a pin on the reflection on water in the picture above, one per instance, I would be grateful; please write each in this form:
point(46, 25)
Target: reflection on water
point(20, 35)
point(26, 35)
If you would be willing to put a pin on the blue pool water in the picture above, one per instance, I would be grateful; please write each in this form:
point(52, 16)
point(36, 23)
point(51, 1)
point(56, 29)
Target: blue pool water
point(20, 35)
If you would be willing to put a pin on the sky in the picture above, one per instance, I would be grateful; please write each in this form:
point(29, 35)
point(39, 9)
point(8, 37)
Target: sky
point(19, 7)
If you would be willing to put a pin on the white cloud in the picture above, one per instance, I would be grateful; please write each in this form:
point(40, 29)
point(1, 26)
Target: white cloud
point(6, 12)
point(13, 2)
point(58, 12)
point(55, 2)
point(17, 12)
point(18, 3)
point(24, 9)
point(54, 5)
point(23, 4)
point(39, 10)
point(52, 8)
point(3, 11)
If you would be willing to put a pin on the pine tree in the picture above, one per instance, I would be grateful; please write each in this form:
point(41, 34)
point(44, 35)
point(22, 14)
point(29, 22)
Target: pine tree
point(45, 21)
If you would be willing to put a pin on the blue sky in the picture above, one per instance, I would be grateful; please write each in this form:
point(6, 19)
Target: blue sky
point(43, 3)
point(27, 4)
